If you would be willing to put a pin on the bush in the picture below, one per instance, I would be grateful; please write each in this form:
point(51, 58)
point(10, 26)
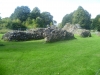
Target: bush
point(3, 31)
point(85, 33)
point(16, 26)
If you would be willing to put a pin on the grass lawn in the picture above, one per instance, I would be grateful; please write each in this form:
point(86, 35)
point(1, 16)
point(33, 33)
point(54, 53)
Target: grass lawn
point(80, 56)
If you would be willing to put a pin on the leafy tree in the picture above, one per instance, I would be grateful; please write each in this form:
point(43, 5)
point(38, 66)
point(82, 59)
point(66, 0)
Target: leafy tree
point(15, 25)
point(47, 18)
point(0, 17)
point(91, 26)
point(96, 23)
point(67, 19)
point(21, 13)
point(5, 22)
point(82, 17)
point(28, 22)
point(39, 22)
point(60, 25)
point(35, 13)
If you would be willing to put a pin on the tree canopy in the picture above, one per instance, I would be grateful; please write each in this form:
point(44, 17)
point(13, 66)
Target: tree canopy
point(67, 19)
point(35, 13)
point(23, 17)
point(80, 16)
point(34, 17)
point(47, 18)
point(21, 13)
point(96, 23)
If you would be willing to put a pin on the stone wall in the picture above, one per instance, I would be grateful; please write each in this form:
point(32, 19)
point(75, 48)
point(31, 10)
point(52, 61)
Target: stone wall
point(49, 34)
point(76, 29)
point(52, 35)
point(23, 35)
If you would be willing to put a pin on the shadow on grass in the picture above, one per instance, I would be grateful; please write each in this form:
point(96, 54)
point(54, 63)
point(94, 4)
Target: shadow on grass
point(2, 70)
point(22, 45)
point(2, 45)
point(29, 45)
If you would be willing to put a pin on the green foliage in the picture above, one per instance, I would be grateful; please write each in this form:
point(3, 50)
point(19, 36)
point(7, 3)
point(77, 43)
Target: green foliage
point(15, 25)
point(28, 22)
point(60, 25)
point(67, 19)
point(82, 17)
point(23, 18)
point(47, 18)
point(39, 22)
point(21, 13)
point(4, 22)
point(35, 13)
point(0, 17)
point(96, 23)
point(4, 30)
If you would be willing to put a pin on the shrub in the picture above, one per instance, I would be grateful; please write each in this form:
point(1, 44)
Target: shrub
point(85, 33)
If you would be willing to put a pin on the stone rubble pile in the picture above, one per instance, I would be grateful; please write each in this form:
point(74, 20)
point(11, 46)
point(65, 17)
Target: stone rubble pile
point(76, 29)
point(23, 35)
point(49, 34)
point(85, 33)
point(52, 35)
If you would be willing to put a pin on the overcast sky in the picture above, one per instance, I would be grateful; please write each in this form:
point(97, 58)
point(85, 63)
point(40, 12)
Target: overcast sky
point(57, 8)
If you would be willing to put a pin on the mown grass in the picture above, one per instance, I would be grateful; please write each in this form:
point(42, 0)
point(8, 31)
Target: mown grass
point(80, 56)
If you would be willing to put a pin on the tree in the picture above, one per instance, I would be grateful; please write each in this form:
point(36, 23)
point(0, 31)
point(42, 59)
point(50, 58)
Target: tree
point(47, 18)
point(14, 24)
point(21, 13)
point(96, 23)
point(67, 18)
point(0, 17)
point(5, 22)
point(39, 22)
point(35, 13)
point(60, 25)
point(82, 17)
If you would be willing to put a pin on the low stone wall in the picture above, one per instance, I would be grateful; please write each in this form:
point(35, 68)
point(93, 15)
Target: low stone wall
point(76, 29)
point(52, 35)
point(23, 35)
point(85, 33)
point(49, 34)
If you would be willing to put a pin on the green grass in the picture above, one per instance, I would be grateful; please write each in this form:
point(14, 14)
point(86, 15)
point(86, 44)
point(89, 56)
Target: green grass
point(80, 56)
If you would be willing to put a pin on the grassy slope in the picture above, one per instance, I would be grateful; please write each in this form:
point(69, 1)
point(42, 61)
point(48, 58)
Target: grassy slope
point(75, 57)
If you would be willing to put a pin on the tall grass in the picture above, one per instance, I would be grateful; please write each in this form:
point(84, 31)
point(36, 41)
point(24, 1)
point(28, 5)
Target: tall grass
point(2, 31)
point(80, 56)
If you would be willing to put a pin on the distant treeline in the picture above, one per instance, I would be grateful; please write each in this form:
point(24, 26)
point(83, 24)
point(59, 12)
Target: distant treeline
point(83, 18)
point(23, 18)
